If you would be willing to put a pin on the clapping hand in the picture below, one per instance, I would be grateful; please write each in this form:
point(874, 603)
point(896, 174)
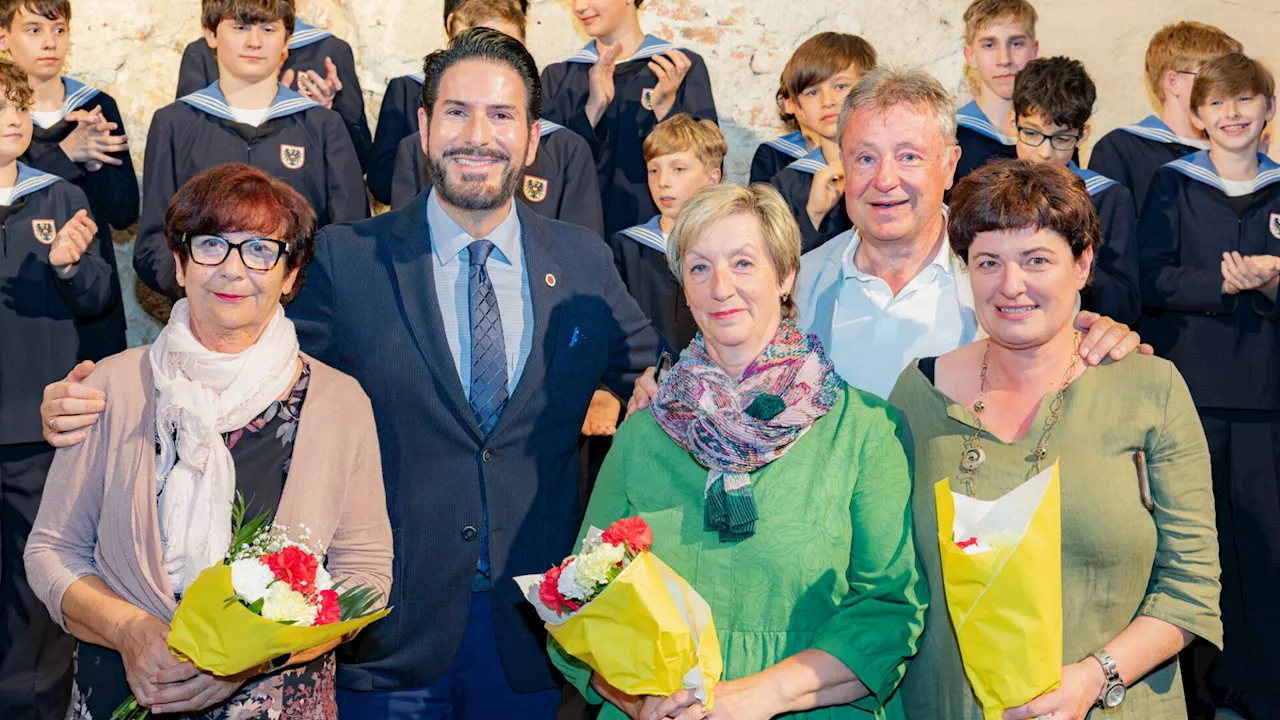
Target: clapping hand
point(91, 142)
point(671, 70)
point(318, 89)
point(71, 242)
point(1249, 272)
point(600, 78)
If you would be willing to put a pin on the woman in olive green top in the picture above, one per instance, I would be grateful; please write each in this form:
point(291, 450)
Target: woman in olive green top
point(1137, 584)
point(780, 493)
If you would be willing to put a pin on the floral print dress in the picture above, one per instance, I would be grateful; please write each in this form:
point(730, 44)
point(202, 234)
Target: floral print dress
point(261, 451)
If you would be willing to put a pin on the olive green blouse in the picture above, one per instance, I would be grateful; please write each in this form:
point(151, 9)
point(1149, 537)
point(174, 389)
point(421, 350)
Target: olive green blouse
point(831, 565)
point(1118, 560)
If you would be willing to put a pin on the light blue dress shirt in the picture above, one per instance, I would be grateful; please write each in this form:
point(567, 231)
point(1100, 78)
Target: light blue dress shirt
point(507, 272)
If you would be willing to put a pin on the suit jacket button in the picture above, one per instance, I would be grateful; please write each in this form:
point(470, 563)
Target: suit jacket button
point(487, 455)
point(468, 533)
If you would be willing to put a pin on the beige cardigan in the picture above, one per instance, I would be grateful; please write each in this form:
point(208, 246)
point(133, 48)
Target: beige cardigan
point(99, 515)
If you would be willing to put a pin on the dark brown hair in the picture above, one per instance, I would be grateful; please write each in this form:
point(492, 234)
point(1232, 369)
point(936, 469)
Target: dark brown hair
point(1231, 75)
point(47, 9)
point(14, 85)
point(1058, 89)
point(817, 59)
point(1016, 194)
point(251, 12)
point(479, 43)
point(473, 13)
point(234, 197)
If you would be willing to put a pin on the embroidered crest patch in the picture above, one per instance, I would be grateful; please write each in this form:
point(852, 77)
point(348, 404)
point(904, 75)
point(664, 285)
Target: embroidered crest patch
point(1275, 225)
point(293, 156)
point(646, 98)
point(44, 230)
point(535, 188)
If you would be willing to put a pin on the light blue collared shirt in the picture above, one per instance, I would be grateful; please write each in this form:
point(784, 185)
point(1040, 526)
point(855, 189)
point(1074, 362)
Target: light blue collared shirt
point(507, 272)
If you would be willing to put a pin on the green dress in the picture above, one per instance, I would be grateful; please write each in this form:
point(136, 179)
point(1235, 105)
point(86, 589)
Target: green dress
point(831, 565)
point(1118, 560)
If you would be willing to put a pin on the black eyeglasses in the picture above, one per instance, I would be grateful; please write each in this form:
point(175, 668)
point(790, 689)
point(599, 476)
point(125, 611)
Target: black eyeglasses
point(259, 253)
point(1034, 138)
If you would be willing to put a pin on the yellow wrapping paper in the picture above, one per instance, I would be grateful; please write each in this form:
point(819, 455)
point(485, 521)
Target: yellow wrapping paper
point(1006, 603)
point(647, 633)
point(220, 635)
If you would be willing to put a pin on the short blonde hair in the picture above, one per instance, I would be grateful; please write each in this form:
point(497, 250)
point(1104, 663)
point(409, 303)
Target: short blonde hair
point(760, 201)
point(1184, 46)
point(985, 13)
point(682, 133)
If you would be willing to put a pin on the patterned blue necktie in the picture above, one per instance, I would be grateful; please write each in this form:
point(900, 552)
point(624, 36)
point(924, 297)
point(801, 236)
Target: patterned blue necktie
point(488, 374)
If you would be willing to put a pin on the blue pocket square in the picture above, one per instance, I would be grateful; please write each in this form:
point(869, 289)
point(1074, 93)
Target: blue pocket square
point(577, 335)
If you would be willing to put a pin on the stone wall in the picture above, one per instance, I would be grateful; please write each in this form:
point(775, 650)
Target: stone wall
point(131, 48)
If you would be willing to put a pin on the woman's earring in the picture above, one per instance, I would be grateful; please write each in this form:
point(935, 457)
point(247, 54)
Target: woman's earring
point(786, 296)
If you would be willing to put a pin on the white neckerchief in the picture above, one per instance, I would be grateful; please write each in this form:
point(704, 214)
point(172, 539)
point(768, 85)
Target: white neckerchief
point(201, 394)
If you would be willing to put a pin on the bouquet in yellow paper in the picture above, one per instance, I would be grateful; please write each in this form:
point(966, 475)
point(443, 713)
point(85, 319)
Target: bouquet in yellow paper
point(1002, 571)
point(622, 611)
point(270, 596)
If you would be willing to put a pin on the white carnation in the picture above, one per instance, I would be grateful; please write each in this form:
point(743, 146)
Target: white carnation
point(283, 604)
point(250, 578)
point(594, 567)
point(323, 579)
point(570, 585)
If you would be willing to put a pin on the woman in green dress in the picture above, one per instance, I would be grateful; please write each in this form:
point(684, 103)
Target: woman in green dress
point(1139, 554)
point(779, 492)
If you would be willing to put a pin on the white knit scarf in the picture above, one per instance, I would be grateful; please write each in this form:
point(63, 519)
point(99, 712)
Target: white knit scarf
point(200, 395)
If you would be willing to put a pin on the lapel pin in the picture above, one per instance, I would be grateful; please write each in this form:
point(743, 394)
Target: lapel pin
point(551, 280)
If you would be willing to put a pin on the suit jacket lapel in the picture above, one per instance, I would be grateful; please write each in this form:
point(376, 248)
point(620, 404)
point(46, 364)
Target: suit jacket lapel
point(546, 292)
point(414, 266)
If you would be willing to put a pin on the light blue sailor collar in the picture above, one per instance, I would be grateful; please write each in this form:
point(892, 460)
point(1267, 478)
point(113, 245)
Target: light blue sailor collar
point(1153, 128)
point(971, 116)
point(1093, 181)
point(649, 234)
point(652, 45)
point(791, 144)
point(1198, 166)
point(304, 35)
point(76, 95)
point(212, 101)
point(29, 181)
point(813, 162)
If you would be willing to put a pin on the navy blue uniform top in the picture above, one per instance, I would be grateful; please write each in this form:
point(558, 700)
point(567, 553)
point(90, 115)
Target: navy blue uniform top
point(397, 120)
point(640, 252)
point(41, 314)
point(1226, 346)
point(112, 191)
point(617, 141)
point(774, 155)
point(979, 140)
point(308, 47)
point(1131, 155)
point(794, 183)
point(560, 184)
point(300, 142)
point(1113, 290)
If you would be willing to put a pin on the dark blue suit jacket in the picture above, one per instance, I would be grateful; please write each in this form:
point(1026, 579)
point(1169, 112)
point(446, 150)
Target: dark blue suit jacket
point(369, 308)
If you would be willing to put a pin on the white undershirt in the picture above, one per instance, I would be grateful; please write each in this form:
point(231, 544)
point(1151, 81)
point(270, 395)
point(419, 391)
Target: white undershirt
point(1236, 188)
point(47, 118)
point(249, 117)
point(6, 196)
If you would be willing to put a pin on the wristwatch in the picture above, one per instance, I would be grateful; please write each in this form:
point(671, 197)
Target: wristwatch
point(1113, 690)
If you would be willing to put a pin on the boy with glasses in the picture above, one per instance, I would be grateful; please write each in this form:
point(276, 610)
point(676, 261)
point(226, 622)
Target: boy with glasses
point(1131, 155)
point(1052, 101)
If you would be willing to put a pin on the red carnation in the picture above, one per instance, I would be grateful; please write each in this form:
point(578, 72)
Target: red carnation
point(294, 566)
point(329, 612)
point(633, 531)
point(549, 590)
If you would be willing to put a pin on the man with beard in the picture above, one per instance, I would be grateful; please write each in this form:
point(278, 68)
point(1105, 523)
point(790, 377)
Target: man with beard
point(479, 330)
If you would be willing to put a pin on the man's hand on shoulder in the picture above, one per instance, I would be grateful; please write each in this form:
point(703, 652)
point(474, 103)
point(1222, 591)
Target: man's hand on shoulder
point(70, 406)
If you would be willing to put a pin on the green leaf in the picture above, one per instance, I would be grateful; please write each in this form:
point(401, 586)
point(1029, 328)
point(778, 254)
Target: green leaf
point(256, 607)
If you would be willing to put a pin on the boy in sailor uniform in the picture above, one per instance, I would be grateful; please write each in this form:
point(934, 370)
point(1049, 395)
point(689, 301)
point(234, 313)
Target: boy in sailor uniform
point(247, 115)
point(78, 135)
point(999, 40)
point(561, 181)
point(1209, 244)
point(53, 276)
point(1131, 155)
point(614, 91)
point(1052, 101)
point(322, 64)
point(810, 92)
